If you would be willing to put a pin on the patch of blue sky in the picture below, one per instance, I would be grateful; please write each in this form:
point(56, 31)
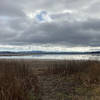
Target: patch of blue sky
point(41, 15)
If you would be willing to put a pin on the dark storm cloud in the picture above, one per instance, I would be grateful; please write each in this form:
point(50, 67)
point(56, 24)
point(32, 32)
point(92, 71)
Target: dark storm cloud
point(77, 33)
point(68, 22)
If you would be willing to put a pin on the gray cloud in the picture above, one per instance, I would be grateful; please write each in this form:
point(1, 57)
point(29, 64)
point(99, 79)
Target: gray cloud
point(10, 9)
point(72, 22)
point(77, 33)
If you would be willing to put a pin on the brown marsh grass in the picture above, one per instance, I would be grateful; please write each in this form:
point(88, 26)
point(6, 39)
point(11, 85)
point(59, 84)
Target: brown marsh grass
point(23, 79)
point(84, 71)
point(17, 81)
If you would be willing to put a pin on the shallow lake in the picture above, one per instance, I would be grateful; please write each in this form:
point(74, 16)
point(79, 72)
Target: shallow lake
point(55, 56)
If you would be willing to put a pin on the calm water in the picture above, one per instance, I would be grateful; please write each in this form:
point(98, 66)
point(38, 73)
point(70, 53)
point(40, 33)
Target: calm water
point(60, 57)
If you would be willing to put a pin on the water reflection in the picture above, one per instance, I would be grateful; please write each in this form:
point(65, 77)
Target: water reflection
point(60, 57)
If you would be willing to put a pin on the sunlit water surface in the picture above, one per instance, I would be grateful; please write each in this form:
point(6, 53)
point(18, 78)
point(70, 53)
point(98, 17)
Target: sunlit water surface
point(54, 56)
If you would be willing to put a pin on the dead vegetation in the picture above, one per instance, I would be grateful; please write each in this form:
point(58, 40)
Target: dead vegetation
point(90, 69)
point(48, 80)
point(17, 81)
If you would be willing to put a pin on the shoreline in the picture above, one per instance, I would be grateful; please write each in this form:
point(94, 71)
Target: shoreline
point(45, 60)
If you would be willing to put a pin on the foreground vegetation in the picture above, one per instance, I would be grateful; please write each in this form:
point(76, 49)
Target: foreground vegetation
point(49, 80)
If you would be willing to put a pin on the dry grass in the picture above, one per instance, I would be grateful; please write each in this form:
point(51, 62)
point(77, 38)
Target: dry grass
point(86, 72)
point(71, 67)
point(48, 80)
point(17, 81)
point(76, 80)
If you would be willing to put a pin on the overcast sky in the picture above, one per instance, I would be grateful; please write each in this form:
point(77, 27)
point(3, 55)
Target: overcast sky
point(61, 22)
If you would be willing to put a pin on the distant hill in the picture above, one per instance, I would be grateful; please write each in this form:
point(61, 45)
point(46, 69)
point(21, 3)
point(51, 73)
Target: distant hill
point(44, 52)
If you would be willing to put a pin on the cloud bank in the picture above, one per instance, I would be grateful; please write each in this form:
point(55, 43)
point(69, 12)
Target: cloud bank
point(65, 22)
